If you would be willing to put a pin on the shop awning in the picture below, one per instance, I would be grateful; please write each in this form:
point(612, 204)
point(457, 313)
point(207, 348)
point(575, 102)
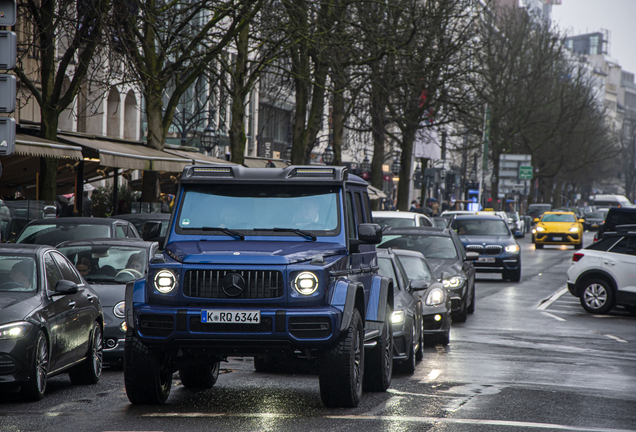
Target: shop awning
point(129, 156)
point(196, 157)
point(256, 162)
point(27, 145)
point(375, 193)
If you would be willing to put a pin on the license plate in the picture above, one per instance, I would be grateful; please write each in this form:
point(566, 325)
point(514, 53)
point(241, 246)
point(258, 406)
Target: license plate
point(557, 238)
point(485, 260)
point(231, 316)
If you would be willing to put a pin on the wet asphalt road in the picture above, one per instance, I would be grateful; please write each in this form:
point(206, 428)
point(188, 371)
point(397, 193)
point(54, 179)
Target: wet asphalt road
point(529, 359)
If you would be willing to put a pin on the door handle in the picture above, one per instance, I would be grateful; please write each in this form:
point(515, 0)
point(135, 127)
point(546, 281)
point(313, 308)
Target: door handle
point(71, 304)
point(609, 262)
point(90, 298)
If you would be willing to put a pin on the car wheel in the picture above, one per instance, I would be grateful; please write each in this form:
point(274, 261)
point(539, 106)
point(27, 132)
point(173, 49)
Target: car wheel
point(200, 376)
point(578, 246)
point(419, 354)
point(538, 246)
point(443, 339)
point(512, 275)
point(147, 374)
point(341, 367)
point(35, 387)
point(90, 370)
point(471, 308)
point(597, 296)
point(378, 362)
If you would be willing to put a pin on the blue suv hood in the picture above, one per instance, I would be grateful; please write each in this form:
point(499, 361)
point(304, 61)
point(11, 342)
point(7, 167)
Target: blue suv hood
point(251, 252)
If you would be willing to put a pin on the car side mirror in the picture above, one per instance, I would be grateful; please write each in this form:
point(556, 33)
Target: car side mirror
point(64, 287)
point(536, 219)
point(581, 220)
point(518, 234)
point(370, 233)
point(158, 258)
point(472, 256)
point(419, 285)
point(150, 230)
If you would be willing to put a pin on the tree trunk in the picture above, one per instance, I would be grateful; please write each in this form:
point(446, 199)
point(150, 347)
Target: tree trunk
point(379, 100)
point(47, 183)
point(239, 94)
point(408, 137)
point(150, 188)
point(338, 119)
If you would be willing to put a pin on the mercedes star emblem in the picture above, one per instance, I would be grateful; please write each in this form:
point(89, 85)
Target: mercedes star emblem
point(233, 284)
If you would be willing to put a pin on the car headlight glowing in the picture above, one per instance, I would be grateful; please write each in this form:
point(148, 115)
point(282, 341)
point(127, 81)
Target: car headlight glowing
point(512, 248)
point(15, 330)
point(540, 229)
point(574, 229)
point(435, 296)
point(397, 317)
point(165, 281)
point(306, 283)
point(120, 309)
point(123, 327)
point(454, 282)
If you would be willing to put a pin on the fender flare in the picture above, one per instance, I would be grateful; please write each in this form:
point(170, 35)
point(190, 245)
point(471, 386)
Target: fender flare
point(345, 295)
point(380, 295)
point(592, 273)
point(135, 293)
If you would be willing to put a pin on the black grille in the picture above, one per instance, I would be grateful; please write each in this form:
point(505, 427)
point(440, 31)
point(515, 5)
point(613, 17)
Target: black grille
point(259, 284)
point(310, 327)
point(430, 323)
point(493, 250)
point(265, 326)
point(7, 365)
point(156, 325)
point(475, 248)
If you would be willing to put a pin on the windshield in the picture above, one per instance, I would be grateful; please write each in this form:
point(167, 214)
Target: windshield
point(52, 235)
point(393, 222)
point(481, 227)
point(513, 216)
point(558, 218)
point(430, 246)
point(260, 208)
point(597, 215)
point(416, 268)
point(18, 273)
point(108, 264)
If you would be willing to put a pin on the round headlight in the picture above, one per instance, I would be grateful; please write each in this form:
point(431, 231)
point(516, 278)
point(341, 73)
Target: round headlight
point(435, 297)
point(120, 309)
point(306, 283)
point(165, 281)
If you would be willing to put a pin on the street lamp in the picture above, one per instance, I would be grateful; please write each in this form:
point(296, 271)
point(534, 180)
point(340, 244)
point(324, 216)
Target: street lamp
point(287, 154)
point(328, 155)
point(366, 164)
point(396, 166)
point(210, 137)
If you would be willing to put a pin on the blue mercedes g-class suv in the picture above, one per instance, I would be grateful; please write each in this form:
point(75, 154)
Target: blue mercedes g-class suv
point(263, 262)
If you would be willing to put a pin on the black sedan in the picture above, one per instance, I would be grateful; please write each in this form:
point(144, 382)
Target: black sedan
point(51, 321)
point(406, 319)
point(54, 231)
point(594, 220)
point(446, 256)
point(436, 303)
point(107, 265)
point(151, 226)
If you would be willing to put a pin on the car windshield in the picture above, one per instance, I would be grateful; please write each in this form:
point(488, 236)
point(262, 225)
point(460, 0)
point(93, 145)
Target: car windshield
point(430, 246)
point(108, 264)
point(481, 227)
point(54, 234)
point(393, 222)
point(416, 268)
point(597, 215)
point(513, 216)
point(18, 273)
point(260, 207)
point(558, 218)
point(440, 222)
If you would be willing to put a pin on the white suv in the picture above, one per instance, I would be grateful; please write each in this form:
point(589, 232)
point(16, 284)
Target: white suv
point(602, 275)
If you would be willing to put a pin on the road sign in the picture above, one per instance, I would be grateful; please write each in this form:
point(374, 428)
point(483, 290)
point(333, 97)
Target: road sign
point(518, 186)
point(525, 172)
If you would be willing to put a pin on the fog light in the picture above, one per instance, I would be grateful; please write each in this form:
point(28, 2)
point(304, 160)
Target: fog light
point(438, 317)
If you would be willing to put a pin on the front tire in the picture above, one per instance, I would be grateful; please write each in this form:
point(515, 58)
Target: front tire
point(35, 387)
point(578, 246)
point(471, 308)
point(147, 374)
point(512, 275)
point(462, 314)
point(378, 362)
point(265, 364)
point(200, 376)
point(538, 246)
point(90, 370)
point(597, 296)
point(419, 354)
point(341, 367)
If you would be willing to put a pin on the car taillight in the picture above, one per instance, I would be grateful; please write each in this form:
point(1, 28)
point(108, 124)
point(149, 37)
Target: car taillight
point(577, 257)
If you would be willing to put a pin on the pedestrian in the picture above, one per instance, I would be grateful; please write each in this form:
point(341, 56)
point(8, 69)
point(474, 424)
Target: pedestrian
point(87, 206)
point(433, 204)
point(414, 205)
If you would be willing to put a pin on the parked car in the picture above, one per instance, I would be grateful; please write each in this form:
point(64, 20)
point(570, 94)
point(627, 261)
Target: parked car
point(516, 223)
point(611, 201)
point(436, 303)
point(616, 216)
point(498, 250)
point(108, 265)
point(406, 318)
point(558, 228)
point(151, 226)
point(55, 231)
point(400, 219)
point(593, 220)
point(602, 274)
point(440, 222)
point(536, 210)
point(451, 264)
point(51, 321)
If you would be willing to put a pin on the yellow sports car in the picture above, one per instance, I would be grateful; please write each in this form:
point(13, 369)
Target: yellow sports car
point(558, 228)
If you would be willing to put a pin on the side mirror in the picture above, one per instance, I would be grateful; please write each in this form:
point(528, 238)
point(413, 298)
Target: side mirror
point(518, 234)
point(419, 285)
point(64, 287)
point(150, 230)
point(158, 258)
point(370, 233)
point(536, 219)
point(472, 256)
point(581, 220)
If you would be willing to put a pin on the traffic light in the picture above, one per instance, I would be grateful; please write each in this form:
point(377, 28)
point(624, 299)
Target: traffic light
point(8, 43)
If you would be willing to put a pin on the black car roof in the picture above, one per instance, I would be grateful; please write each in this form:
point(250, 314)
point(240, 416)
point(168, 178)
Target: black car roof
point(142, 216)
point(478, 216)
point(23, 248)
point(108, 242)
point(72, 221)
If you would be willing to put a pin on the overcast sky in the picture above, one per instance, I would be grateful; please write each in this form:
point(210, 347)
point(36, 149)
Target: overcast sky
point(588, 16)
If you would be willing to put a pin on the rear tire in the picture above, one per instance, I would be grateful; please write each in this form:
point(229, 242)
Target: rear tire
point(597, 296)
point(90, 370)
point(34, 388)
point(341, 367)
point(201, 376)
point(378, 362)
point(147, 374)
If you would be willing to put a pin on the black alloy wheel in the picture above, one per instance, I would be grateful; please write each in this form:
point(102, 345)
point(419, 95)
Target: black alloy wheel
point(378, 362)
point(35, 387)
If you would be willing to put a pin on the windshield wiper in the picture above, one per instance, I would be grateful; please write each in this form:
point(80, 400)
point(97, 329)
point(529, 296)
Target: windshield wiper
point(223, 230)
point(291, 230)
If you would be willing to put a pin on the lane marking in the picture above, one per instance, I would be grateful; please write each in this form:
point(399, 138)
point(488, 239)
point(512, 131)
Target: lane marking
point(553, 316)
point(553, 298)
point(434, 374)
point(412, 419)
point(616, 338)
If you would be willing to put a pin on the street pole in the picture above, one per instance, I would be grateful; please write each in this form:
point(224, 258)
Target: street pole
point(486, 138)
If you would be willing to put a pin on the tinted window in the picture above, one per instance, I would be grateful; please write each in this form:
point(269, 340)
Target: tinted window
point(386, 269)
point(119, 231)
point(415, 267)
point(350, 218)
point(52, 271)
point(53, 235)
point(17, 273)
point(367, 209)
point(106, 262)
point(604, 244)
point(437, 247)
point(394, 222)
point(626, 246)
point(558, 218)
point(481, 227)
point(67, 272)
point(358, 202)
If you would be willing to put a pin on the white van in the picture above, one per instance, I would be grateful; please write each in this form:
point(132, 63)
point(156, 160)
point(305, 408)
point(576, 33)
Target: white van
point(611, 201)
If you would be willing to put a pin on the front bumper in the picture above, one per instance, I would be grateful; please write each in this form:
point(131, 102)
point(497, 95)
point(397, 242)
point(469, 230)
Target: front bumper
point(552, 238)
point(401, 341)
point(279, 330)
point(436, 319)
point(114, 338)
point(16, 358)
point(498, 264)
